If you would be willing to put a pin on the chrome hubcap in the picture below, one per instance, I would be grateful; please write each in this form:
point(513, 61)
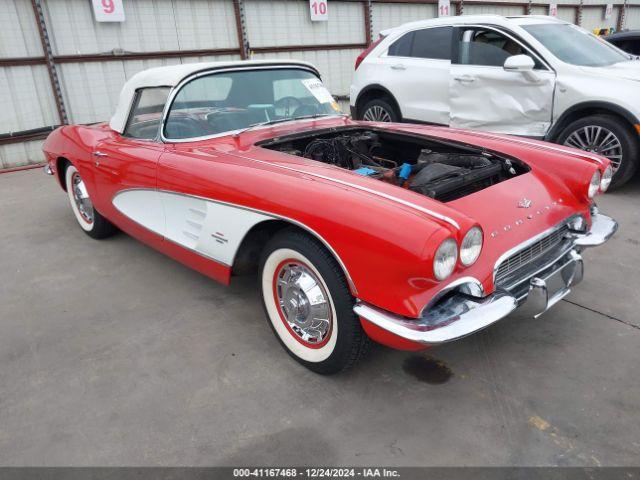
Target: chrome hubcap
point(81, 197)
point(376, 114)
point(303, 302)
point(598, 140)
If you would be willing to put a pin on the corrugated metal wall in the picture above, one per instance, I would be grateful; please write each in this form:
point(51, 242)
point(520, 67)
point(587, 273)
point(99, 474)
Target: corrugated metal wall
point(286, 23)
point(387, 15)
point(88, 60)
point(91, 89)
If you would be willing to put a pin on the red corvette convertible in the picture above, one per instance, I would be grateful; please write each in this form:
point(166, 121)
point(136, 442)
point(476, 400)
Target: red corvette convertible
point(408, 235)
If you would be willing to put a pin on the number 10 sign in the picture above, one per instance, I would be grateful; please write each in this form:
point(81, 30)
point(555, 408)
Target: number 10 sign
point(319, 10)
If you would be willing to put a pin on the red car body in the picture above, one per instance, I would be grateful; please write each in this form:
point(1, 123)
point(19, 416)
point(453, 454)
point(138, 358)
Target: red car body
point(383, 236)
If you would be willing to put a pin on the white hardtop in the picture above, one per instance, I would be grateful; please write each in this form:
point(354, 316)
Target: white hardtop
point(172, 75)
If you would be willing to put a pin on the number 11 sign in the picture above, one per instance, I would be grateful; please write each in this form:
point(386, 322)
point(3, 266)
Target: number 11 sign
point(319, 10)
point(444, 8)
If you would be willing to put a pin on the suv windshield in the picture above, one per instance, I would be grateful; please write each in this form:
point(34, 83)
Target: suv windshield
point(230, 101)
point(574, 45)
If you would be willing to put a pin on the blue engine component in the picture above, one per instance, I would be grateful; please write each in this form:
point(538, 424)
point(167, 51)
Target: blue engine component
point(405, 171)
point(366, 171)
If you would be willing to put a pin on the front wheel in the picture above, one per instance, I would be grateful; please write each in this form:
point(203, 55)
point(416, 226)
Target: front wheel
point(606, 136)
point(91, 222)
point(308, 304)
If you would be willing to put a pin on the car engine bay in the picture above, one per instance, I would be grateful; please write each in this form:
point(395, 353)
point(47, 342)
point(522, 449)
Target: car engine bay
point(442, 170)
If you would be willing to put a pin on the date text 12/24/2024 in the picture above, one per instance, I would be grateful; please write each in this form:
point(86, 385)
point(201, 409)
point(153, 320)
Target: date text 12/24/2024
point(316, 472)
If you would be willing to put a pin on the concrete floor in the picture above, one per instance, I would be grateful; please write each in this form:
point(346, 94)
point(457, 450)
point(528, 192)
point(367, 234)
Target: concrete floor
point(112, 354)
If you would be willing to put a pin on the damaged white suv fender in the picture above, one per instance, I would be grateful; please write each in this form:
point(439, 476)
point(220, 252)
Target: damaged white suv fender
point(532, 76)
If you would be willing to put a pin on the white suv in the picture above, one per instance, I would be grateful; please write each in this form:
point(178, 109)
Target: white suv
point(534, 76)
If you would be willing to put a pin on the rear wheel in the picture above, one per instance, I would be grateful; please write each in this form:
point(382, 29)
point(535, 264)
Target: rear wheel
point(93, 224)
point(379, 110)
point(606, 136)
point(308, 304)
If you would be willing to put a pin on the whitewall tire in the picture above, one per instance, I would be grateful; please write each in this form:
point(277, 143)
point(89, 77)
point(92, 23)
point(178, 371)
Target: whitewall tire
point(93, 224)
point(308, 303)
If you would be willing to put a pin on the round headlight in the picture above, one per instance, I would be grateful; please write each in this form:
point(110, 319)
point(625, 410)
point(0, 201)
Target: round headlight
point(445, 259)
point(594, 185)
point(471, 246)
point(606, 179)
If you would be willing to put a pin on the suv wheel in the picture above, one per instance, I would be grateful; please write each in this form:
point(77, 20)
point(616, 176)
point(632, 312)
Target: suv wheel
point(606, 136)
point(379, 110)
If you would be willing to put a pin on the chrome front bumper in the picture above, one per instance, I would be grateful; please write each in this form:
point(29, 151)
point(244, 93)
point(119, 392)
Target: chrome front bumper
point(459, 314)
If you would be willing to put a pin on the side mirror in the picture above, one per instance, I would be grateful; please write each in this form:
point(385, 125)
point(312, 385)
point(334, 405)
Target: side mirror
point(519, 63)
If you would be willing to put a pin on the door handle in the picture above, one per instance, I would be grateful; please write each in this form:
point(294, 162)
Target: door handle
point(98, 154)
point(398, 66)
point(464, 79)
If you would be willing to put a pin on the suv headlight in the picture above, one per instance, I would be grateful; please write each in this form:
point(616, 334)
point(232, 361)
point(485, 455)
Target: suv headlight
point(606, 179)
point(445, 259)
point(594, 185)
point(471, 246)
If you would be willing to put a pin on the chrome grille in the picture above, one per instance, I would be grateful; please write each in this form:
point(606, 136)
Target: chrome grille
point(530, 253)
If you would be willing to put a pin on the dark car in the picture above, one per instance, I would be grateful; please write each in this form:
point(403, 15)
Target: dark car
point(629, 41)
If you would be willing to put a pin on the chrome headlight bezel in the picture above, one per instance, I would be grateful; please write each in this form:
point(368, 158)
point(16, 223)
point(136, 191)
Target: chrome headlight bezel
point(471, 246)
point(594, 184)
point(605, 181)
point(445, 259)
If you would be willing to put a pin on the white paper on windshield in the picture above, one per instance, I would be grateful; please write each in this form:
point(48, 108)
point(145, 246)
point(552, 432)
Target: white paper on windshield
point(318, 90)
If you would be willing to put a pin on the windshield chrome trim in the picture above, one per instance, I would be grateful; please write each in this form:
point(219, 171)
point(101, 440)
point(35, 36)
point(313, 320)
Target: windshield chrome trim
point(184, 81)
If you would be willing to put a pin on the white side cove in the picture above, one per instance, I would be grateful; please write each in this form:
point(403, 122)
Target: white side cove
point(214, 230)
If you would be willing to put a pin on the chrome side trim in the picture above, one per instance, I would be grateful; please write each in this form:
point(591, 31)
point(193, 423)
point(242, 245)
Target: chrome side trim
point(431, 213)
point(47, 169)
point(269, 214)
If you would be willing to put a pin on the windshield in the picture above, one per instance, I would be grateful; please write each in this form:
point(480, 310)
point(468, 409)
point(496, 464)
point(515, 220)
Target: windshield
point(574, 45)
point(231, 101)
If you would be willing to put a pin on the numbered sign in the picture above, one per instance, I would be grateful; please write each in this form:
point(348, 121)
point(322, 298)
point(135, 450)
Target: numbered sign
point(553, 9)
point(608, 11)
point(319, 10)
point(444, 8)
point(108, 10)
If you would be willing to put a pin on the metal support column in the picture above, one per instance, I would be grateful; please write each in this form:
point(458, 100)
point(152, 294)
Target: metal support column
point(579, 13)
point(241, 27)
point(368, 21)
point(622, 15)
point(48, 55)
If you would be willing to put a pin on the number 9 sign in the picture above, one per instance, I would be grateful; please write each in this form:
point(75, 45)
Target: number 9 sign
point(108, 10)
point(319, 10)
